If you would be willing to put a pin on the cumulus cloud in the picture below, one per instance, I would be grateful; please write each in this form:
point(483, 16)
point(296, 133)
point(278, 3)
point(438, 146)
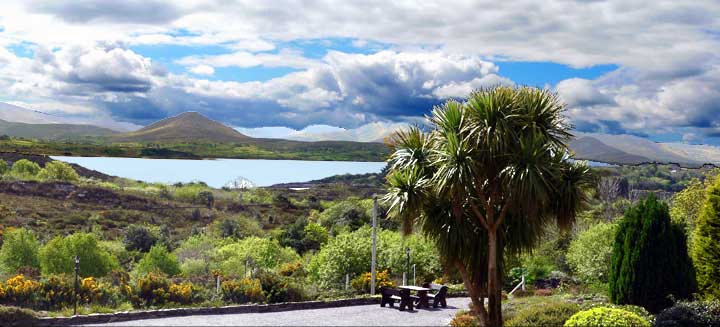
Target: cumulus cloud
point(667, 52)
point(202, 70)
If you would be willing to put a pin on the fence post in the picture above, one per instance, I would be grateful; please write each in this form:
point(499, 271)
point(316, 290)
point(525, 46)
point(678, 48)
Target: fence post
point(374, 245)
point(404, 279)
point(347, 281)
point(414, 275)
point(217, 284)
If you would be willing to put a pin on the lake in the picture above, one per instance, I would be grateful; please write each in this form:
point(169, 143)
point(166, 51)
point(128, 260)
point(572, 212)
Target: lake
point(218, 172)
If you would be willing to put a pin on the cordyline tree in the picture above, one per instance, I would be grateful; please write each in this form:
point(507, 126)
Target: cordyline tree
point(492, 172)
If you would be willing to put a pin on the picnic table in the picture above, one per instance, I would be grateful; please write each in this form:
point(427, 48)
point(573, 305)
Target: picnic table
point(421, 297)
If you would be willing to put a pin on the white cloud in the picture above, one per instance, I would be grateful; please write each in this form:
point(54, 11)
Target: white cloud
point(202, 70)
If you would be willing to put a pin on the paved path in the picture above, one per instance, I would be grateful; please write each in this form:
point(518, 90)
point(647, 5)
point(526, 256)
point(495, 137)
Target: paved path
point(362, 315)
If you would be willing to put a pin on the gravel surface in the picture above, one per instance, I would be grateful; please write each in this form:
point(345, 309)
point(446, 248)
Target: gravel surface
point(362, 315)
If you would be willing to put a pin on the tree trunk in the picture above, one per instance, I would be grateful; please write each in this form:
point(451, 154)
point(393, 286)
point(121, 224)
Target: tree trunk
point(476, 295)
point(494, 290)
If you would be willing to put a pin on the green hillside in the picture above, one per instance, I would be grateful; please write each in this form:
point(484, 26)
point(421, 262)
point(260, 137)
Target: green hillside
point(52, 131)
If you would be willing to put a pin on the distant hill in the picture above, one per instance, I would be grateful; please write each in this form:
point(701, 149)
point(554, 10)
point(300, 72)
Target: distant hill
point(630, 149)
point(52, 131)
point(188, 126)
point(15, 114)
point(590, 148)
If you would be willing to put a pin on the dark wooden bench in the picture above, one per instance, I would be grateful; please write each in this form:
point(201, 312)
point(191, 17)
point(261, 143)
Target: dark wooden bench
point(439, 297)
point(390, 295)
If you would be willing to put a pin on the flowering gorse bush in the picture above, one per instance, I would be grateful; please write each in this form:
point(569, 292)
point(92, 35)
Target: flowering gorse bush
point(21, 291)
point(156, 290)
point(242, 291)
point(362, 283)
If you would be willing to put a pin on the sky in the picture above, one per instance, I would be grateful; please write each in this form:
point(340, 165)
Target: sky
point(358, 69)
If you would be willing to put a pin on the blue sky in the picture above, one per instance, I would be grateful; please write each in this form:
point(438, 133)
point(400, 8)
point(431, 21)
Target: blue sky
point(647, 69)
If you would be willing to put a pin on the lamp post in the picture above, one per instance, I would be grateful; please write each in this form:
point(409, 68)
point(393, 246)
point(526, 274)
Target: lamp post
point(77, 269)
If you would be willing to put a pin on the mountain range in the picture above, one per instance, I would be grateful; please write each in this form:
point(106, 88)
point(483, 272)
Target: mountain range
point(190, 127)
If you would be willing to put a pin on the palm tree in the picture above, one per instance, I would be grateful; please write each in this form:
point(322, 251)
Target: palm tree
point(492, 172)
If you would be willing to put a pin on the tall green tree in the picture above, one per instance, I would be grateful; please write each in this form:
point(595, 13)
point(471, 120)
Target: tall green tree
point(706, 245)
point(487, 177)
point(650, 258)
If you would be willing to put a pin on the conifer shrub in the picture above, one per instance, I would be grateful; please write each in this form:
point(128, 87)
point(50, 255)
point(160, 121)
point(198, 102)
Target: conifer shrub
point(706, 245)
point(690, 314)
point(650, 261)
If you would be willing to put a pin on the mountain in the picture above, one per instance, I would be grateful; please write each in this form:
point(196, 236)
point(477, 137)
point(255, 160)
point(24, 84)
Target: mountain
point(630, 149)
point(188, 126)
point(593, 149)
point(15, 114)
point(52, 131)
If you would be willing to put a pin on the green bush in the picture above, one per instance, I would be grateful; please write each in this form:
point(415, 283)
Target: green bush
point(57, 256)
point(139, 238)
point(4, 168)
point(690, 314)
point(24, 168)
point(349, 253)
point(706, 248)
point(590, 253)
point(255, 252)
point(58, 171)
point(279, 289)
point(156, 290)
point(195, 254)
point(14, 316)
point(650, 259)
point(158, 259)
point(544, 315)
point(602, 317)
point(19, 249)
point(237, 227)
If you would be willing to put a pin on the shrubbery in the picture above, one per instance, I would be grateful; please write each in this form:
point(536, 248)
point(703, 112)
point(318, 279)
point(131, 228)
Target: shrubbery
point(57, 256)
point(362, 282)
point(139, 238)
point(14, 316)
point(19, 249)
point(706, 247)
point(602, 317)
point(245, 290)
point(590, 253)
point(58, 171)
point(156, 290)
point(158, 260)
point(690, 314)
point(545, 315)
point(24, 169)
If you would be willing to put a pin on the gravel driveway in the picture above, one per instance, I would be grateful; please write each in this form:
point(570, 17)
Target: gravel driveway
point(362, 315)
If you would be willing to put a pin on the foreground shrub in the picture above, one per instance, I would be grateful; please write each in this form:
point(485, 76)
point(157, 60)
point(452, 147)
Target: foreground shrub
point(19, 249)
point(278, 289)
point(245, 290)
point(158, 259)
point(690, 314)
point(58, 171)
point(550, 314)
point(254, 252)
point(602, 317)
point(464, 319)
point(14, 316)
point(706, 248)
point(590, 254)
point(156, 290)
point(4, 168)
point(650, 259)
point(57, 256)
point(57, 292)
point(21, 291)
point(362, 282)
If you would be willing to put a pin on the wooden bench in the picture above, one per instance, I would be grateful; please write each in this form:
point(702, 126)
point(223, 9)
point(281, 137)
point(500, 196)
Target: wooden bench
point(439, 297)
point(390, 295)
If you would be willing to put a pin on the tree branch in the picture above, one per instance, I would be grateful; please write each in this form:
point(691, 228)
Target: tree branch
point(479, 214)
